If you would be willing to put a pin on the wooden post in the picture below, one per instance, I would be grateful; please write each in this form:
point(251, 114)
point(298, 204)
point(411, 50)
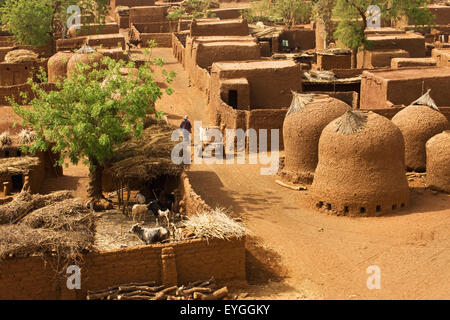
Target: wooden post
point(6, 188)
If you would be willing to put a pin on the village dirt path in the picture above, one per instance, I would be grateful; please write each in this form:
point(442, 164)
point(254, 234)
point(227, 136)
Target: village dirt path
point(297, 253)
point(320, 256)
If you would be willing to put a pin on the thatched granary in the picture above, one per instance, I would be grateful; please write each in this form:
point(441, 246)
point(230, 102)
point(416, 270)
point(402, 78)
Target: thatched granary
point(418, 124)
point(57, 66)
point(438, 162)
point(361, 168)
point(85, 55)
point(306, 118)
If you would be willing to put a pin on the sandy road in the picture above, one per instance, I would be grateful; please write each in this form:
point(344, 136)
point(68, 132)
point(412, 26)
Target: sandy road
point(323, 256)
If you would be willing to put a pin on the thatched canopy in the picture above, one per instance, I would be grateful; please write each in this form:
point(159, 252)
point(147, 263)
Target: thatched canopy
point(146, 157)
point(18, 165)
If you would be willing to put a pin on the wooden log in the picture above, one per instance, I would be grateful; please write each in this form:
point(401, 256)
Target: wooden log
point(143, 288)
point(162, 295)
point(297, 188)
point(121, 297)
point(216, 295)
point(197, 289)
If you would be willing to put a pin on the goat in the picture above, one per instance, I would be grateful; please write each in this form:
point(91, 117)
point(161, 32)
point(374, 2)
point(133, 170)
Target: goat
point(150, 235)
point(140, 198)
point(138, 210)
point(164, 214)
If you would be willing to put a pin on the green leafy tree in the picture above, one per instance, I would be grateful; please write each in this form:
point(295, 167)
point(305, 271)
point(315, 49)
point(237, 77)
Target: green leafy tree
point(323, 11)
point(353, 18)
point(92, 113)
point(293, 11)
point(37, 22)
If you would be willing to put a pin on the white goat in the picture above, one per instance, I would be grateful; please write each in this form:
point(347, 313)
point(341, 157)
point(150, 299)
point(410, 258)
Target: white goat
point(139, 210)
point(164, 214)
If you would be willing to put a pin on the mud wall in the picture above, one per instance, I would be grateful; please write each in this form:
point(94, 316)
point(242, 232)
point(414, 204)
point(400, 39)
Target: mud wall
point(193, 203)
point(16, 73)
point(270, 82)
point(89, 29)
point(162, 39)
point(14, 92)
point(402, 86)
point(146, 14)
point(301, 39)
point(205, 54)
point(178, 48)
point(34, 278)
point(70, 44)
point(413, 43)
point(369, 59)
point(330, 62)
point(130, 3)
point(227, 13)
point(220, 28)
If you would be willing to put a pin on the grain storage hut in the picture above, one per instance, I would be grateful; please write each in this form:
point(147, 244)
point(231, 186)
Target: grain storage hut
point(361, 168)
point(57, 66)
point(418, 124)
point(85, 55)
point(438, 162)
point(307, 116)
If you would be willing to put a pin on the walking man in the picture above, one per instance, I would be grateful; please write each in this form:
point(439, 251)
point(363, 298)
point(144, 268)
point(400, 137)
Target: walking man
point(187, 126)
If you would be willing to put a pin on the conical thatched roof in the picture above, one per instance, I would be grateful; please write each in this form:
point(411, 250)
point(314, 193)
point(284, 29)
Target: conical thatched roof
point(351, 122)
point(425, 100)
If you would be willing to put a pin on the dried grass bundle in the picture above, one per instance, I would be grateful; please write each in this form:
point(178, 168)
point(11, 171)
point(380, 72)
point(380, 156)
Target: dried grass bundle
point(68, 215)
point(215, 224)
point(21, 55)
point(351, 122)
point(26, 136)
point(5, 139)
point(22, 240)
point(25, 203)
point(64, 229)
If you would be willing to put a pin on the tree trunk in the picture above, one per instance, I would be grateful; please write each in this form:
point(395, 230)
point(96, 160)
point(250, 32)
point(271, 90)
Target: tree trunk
point(354, 58)
point(95, 181)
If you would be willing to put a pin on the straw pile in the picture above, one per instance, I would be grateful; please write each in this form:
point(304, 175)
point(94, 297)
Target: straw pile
point(5, 139)
point(25, 203)
point(26, 136)
point(215, 224)
point(21, 55)
point(59, 226)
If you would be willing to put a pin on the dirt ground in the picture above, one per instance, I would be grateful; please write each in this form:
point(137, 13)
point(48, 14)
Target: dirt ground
point(295, 252)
